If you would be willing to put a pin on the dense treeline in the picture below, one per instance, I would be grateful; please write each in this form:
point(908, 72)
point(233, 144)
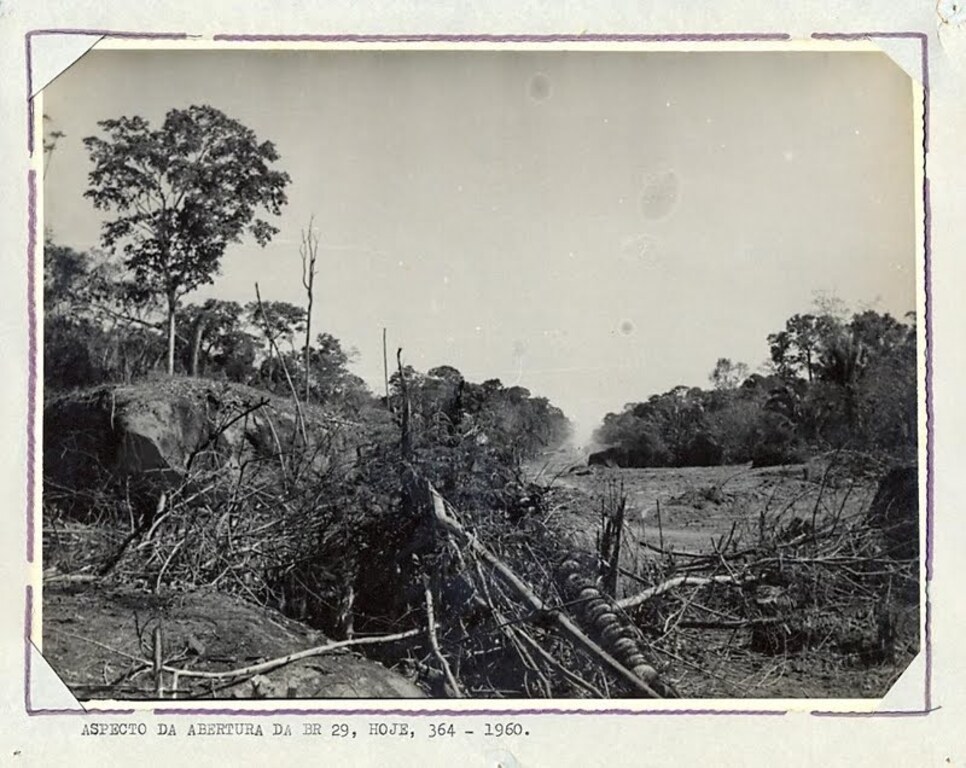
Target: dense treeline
point(831, 382)
point(509, 421)
point(469, 439)
point(95, 334)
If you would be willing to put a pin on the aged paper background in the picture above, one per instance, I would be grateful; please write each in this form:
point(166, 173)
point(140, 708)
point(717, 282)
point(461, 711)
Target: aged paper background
point(800, 738)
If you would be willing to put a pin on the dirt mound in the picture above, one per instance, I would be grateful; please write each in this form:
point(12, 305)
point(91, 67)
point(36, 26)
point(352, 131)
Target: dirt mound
point(149, 435)
point(100, 642)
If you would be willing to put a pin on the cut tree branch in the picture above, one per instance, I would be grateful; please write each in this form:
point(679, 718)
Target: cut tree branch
point(678, 581)
point(566, 625)
point(268, 666)
point(434, 644)
point(281, 360)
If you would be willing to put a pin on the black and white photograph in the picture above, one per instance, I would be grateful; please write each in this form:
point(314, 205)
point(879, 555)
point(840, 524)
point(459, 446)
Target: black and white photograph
point(481, 372)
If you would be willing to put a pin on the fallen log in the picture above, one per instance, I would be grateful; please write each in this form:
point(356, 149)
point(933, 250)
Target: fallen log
point(678, 581)
point(281, 661)
point(642, 684)
point(434, 644)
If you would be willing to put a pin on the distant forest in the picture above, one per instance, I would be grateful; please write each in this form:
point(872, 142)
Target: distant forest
point(832, 382)
point(93, 335)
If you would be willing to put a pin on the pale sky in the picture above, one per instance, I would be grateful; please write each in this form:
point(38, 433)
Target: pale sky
point(595, 226)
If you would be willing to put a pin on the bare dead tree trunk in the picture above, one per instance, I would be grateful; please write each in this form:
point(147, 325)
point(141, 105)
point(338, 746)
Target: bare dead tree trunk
point(309, 250)
point(612, 512)
point(49, 145)
point(273, 346)
point(196, 335)
point(158, 650)
point(642, 678)
point(172, 312)
point(409, 491)
point(406, 443)
point(385, 367)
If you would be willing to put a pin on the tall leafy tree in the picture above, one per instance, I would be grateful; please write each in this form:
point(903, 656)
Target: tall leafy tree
point(180, 194)
point(871, 362)
point(728, 375)
point(797, 349)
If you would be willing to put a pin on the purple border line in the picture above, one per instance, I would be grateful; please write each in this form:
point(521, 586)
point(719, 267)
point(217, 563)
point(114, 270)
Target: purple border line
point(867, 35)
point(737, 37)
point(508, 38)
point(111, 33)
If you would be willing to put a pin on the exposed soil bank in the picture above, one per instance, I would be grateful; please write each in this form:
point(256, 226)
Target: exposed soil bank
point(100, 643)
